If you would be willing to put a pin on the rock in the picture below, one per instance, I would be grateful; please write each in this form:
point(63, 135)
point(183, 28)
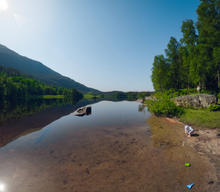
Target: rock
point(87, 110)
point(79, 114)
point(147, 98)
point(197, 101)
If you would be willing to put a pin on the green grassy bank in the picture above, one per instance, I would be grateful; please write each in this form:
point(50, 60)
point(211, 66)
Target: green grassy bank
point(90, 96)
point(165, 107)
point(201, 118)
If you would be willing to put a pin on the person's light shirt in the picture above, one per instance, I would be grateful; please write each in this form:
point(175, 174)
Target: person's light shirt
point(188, 128)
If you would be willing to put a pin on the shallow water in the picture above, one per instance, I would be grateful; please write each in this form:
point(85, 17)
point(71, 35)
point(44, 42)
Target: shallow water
point(110, 150)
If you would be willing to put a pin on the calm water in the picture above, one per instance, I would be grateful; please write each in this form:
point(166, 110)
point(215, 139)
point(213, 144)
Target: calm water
point(23, 158)
point(104, 113)
point(111, 150)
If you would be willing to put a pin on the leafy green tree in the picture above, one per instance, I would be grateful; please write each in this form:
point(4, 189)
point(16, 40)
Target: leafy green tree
point(184, 60)
point(65, 92)
point(172, 53)
point(208, 26)
point(188, 51)
point(216, 57)
point(59, 91)
point(159, 75)
point(142, 96)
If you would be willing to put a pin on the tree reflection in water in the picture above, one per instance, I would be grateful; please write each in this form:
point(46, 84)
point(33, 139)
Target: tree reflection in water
point(141, 108)
point(13, 109)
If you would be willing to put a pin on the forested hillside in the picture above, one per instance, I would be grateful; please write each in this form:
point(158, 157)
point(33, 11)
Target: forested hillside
point(195, 59)
point(13, 84)
point(39, 71)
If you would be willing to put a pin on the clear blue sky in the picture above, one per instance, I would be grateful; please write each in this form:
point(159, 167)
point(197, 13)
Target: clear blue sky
point(104, 44)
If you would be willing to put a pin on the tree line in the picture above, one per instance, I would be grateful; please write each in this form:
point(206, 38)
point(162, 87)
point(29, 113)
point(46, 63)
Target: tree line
point(13, 83)
point(195, 59)
point(131, 95)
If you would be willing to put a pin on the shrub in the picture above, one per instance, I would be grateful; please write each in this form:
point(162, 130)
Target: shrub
point(214, 107)
point(176, 94)
point(205, 91)
point(183, 92)
point(164, 106)
point(192, 91)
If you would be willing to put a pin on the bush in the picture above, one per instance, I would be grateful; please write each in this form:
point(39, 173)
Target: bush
point(164, 106)
point(176, 94)
point(205, 91)
point(214, 107)
point(192, 91)
point(158, 95)
point(183, 92)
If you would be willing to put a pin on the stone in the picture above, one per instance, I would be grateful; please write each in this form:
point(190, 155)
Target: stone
point(79, 114)
point(197, 100)
point(86, 110)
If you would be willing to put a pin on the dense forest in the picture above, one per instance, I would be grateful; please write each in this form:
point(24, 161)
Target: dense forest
point(195, 59)
point(13, 84)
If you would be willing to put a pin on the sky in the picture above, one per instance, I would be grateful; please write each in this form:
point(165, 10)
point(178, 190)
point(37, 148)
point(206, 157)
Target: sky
point(104, 44)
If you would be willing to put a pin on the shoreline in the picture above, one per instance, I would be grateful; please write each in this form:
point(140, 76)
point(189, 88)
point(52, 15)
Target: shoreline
point(206, 143)
point(201, 147)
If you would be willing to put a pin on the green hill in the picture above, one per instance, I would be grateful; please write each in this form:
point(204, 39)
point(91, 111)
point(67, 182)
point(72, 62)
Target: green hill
point(39, 71)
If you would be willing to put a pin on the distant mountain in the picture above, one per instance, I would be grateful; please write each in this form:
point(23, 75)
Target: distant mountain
point(9, 58)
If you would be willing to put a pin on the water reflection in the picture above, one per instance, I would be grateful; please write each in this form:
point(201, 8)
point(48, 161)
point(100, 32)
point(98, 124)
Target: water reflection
point(142, 108)
point(64, 153)
point(21, 117)
point(12, 111)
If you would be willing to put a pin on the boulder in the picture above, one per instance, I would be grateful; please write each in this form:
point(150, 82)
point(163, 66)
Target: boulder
point(86, 110)
point(197, 101)
point(79, 114)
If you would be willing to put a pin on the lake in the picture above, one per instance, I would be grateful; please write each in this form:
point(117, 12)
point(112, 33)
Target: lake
point(109, 150)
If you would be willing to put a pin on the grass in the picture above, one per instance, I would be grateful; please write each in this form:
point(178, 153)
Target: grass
point(201, 118)
point(89, 96)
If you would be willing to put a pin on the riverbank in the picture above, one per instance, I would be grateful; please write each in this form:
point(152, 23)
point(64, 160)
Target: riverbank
point(204, 145)
point(205, 141)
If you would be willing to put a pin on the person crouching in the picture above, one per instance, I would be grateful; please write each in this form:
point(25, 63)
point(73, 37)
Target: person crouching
point(188, 130)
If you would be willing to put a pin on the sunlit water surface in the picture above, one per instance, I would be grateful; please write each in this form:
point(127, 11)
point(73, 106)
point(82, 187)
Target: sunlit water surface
point(110, 150)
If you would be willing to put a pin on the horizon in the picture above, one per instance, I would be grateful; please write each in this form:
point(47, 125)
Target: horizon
point(105, 45)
